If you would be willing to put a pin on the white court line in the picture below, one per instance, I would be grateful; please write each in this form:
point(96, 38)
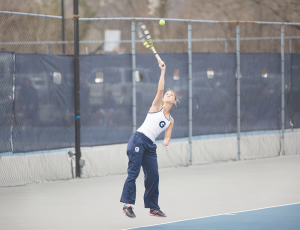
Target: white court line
point(230, 213)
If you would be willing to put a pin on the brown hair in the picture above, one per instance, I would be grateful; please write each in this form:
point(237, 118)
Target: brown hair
point(162, 102)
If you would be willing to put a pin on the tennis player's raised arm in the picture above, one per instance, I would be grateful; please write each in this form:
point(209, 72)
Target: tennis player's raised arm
point(156, 104)
point(168, 133)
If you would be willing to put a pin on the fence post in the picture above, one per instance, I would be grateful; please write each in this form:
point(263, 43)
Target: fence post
point(226, 46)
point(47, 49)
point(63, 26)
point(77, 87)
point(103, 47)
point(133, 76)
point(282, 91)
point(13, 98)
point(190, 91)
point(238, 91)
point(290, 46)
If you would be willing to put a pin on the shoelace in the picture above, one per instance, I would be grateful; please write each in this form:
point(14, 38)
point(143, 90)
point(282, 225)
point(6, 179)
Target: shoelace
point(157, 211)
point(130, 209)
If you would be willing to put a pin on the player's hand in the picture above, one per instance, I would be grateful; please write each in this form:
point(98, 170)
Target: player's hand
point(160, 64)
point(165, 143)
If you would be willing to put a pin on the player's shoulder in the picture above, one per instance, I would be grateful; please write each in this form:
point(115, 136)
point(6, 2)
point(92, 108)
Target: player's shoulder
point(154, 109)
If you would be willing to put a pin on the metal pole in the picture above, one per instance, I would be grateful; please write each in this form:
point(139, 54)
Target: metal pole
point(27, 14)
point(103, 47)
point(238, 92)
point(290, 46)
point(154, 40)
point(63, 26)
point(186, 20)
point(164, 47)
point(13, 100)
point(47, 49)
point(282, 90)
point(153, 19)
point(133, 76)
point(226, 46)
point(190, 92)
point(76, 87)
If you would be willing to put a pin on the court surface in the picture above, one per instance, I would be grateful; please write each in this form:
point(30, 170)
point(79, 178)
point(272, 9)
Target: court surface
point(276, 218)
point(252, 194)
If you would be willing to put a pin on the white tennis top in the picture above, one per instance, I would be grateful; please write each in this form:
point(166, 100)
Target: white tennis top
point(154, 124)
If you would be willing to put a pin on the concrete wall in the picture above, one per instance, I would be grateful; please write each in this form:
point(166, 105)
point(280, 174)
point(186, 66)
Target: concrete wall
point(20, 169)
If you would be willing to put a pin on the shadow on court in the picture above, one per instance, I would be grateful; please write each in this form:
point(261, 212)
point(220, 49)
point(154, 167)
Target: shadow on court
point(185, 193)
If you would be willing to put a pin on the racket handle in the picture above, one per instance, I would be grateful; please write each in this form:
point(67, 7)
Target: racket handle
point(156, 55)
point(158, 58)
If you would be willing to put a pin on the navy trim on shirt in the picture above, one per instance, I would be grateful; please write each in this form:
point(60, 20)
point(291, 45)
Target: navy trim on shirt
point(156, 112)
point(163, 113)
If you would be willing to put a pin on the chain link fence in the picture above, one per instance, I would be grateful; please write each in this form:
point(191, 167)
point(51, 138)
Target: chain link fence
point(116, 90)
point(44, 102)
point(6, 103)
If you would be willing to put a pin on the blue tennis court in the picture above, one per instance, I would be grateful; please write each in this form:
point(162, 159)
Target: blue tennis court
point(275, 218)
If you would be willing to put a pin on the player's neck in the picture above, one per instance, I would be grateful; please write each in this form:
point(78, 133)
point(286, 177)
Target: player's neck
point(167, 108)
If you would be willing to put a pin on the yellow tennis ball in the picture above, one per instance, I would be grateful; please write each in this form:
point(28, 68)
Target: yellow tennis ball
point(162, 22)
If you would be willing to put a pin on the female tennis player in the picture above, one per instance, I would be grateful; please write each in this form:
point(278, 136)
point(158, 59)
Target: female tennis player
point(141, 150)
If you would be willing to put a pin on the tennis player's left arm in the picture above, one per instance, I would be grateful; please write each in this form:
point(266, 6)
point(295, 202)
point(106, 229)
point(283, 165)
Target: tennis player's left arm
point(168, 133)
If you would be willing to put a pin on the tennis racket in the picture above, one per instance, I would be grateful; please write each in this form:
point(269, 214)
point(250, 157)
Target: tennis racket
point(146, 39)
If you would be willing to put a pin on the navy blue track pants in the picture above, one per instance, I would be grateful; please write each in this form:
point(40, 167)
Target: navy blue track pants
point(141, 151)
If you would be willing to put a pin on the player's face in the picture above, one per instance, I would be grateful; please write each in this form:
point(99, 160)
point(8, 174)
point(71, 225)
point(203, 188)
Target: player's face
point(169, 97)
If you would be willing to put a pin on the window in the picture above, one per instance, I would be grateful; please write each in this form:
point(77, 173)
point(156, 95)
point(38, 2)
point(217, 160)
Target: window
point(138, 76)
point(264, 73)
point(57, 78)
point(176, 75)
point(112, 40)
point(210, 73)
point(99, 78)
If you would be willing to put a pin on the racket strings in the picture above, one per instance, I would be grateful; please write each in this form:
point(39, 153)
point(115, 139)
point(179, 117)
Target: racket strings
point(144, 35)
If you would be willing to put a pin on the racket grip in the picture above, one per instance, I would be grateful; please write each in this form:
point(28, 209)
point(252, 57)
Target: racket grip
point(156, 54)
point(158, 58)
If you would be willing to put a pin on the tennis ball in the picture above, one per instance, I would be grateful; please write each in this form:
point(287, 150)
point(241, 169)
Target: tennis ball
point(161, 22)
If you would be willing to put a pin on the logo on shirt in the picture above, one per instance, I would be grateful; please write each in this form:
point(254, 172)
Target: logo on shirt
point(162, 124)
point(137, 149)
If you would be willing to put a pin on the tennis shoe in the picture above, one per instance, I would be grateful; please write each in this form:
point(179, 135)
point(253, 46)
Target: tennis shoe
point(157, 212)
point(128, 212)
